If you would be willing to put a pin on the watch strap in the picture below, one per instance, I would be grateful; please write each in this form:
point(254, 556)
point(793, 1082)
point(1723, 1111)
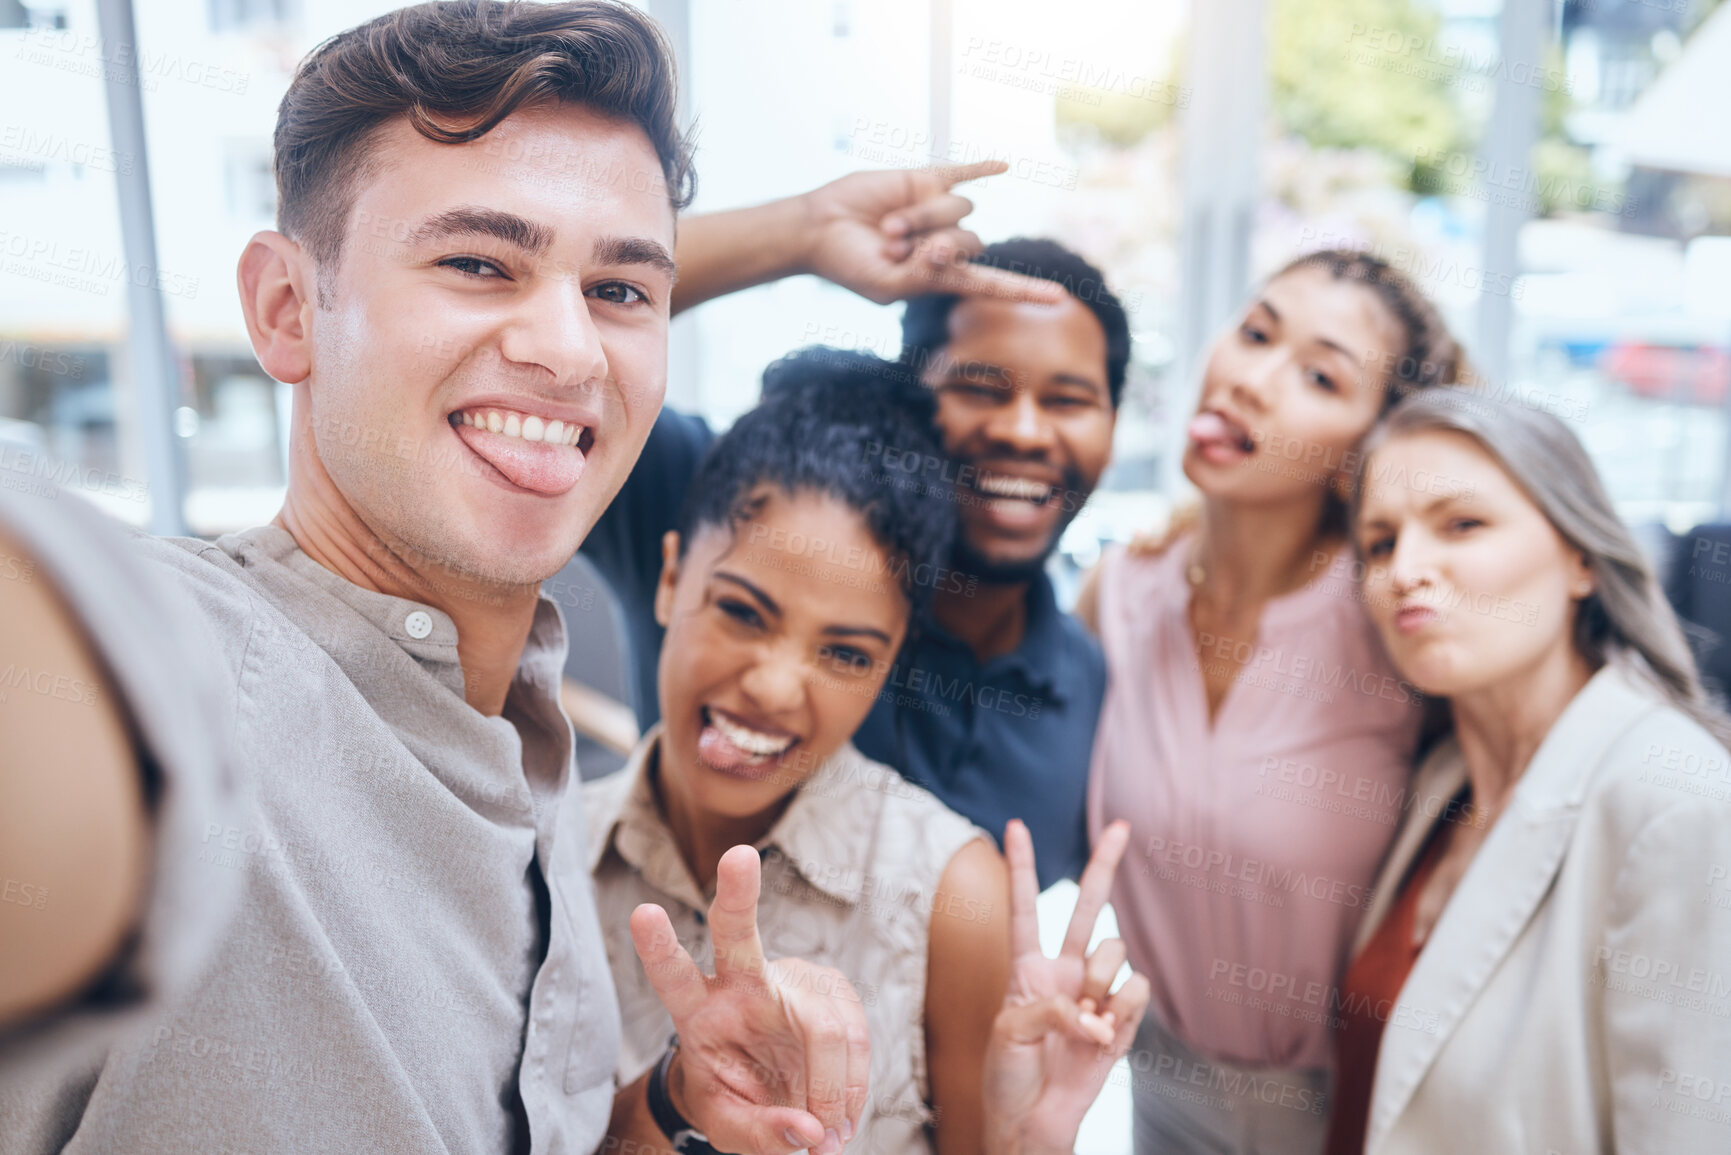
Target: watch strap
point(686, 1139)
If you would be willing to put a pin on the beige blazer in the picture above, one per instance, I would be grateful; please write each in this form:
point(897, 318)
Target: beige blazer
point(1575, 996)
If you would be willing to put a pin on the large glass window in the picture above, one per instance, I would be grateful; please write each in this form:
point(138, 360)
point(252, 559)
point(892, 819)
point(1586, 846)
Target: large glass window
point(63, 418)
point(1617, 286)
point(210, 76)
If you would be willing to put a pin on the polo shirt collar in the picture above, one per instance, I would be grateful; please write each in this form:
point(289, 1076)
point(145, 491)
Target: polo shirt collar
point(826, 824)
point(1042, 660)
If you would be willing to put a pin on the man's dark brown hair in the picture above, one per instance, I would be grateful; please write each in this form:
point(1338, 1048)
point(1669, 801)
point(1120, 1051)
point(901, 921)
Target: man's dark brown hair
point(455, 70)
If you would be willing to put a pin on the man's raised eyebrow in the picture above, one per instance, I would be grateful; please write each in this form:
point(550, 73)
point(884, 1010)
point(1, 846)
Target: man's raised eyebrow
point(476, 220)
point(634, 251)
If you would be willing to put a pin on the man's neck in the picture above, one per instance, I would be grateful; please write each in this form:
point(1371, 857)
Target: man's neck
point(990, 620)
point(492, 622)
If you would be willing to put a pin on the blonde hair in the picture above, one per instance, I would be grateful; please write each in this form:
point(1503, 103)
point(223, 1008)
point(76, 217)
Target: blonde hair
point(1626, 618)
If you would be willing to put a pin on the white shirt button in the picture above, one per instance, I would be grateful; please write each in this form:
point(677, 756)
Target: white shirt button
point(419, 624)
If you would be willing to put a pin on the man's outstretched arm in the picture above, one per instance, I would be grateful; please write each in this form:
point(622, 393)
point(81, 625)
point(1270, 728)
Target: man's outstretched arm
point(73, 825)
point(887, 235)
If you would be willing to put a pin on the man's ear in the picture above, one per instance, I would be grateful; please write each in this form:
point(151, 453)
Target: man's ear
point(276, 297)
point(669, 578)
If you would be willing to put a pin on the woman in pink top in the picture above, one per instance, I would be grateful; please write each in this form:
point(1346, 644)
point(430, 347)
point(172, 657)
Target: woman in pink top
point(1254, 733)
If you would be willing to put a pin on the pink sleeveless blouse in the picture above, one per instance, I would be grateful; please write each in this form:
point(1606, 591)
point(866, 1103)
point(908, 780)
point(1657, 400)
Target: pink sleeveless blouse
point(1254, 838)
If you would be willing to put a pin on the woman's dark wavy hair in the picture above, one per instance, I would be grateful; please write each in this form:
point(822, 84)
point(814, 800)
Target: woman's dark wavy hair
point(455, 71)
point(846, 425)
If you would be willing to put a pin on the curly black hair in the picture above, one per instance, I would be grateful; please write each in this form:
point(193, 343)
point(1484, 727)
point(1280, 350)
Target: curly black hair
point(926, 323)
point(850, 426)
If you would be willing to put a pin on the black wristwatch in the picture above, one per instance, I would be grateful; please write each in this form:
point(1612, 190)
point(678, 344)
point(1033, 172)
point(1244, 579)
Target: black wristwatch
point(686, 1139)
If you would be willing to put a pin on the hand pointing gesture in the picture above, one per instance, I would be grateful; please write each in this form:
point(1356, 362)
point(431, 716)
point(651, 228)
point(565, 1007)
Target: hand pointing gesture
point(773, 1057)
point(891, 234)
point(1061, 1028)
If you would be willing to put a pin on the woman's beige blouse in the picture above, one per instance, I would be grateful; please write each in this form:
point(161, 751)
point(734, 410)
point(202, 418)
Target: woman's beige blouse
point(849, 876)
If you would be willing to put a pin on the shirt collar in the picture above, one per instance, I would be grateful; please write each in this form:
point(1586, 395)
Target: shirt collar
point(825, 834)
point(424, 632)
point(1043, 658)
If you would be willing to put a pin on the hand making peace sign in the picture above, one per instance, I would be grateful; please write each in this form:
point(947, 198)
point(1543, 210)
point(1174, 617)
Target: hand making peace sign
point(1061, 1028)
point(773, 1057)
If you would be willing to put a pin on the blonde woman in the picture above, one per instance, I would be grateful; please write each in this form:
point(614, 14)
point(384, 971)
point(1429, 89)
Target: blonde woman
point(1546, 965)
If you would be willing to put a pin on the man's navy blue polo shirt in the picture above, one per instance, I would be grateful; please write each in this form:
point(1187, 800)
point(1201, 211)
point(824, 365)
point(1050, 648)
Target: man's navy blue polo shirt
point(1010, 737)
point(625, 544)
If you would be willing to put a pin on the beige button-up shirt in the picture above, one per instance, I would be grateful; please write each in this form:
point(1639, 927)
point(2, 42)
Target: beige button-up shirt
point(850, 877)
point(415, 937)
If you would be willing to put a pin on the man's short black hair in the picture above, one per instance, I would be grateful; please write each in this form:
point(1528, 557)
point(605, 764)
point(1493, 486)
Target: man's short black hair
point(850, 426)
point(926, 323)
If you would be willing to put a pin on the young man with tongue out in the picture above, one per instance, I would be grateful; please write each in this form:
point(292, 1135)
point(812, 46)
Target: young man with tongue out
point(993, 702)
point(477, 351)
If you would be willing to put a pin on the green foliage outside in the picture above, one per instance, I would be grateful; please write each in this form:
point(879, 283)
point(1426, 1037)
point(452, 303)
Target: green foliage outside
point(1117, 117)
point(1366, 74)
point(1361, 74)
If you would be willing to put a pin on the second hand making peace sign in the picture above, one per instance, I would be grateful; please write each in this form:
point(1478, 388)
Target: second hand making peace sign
point(1062, 1026)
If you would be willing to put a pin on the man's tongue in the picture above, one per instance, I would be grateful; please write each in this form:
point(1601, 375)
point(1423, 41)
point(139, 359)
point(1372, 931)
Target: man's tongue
point(532, 465)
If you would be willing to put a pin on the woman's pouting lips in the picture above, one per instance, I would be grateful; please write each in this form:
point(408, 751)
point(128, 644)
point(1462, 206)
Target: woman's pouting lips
point(1411, 619)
